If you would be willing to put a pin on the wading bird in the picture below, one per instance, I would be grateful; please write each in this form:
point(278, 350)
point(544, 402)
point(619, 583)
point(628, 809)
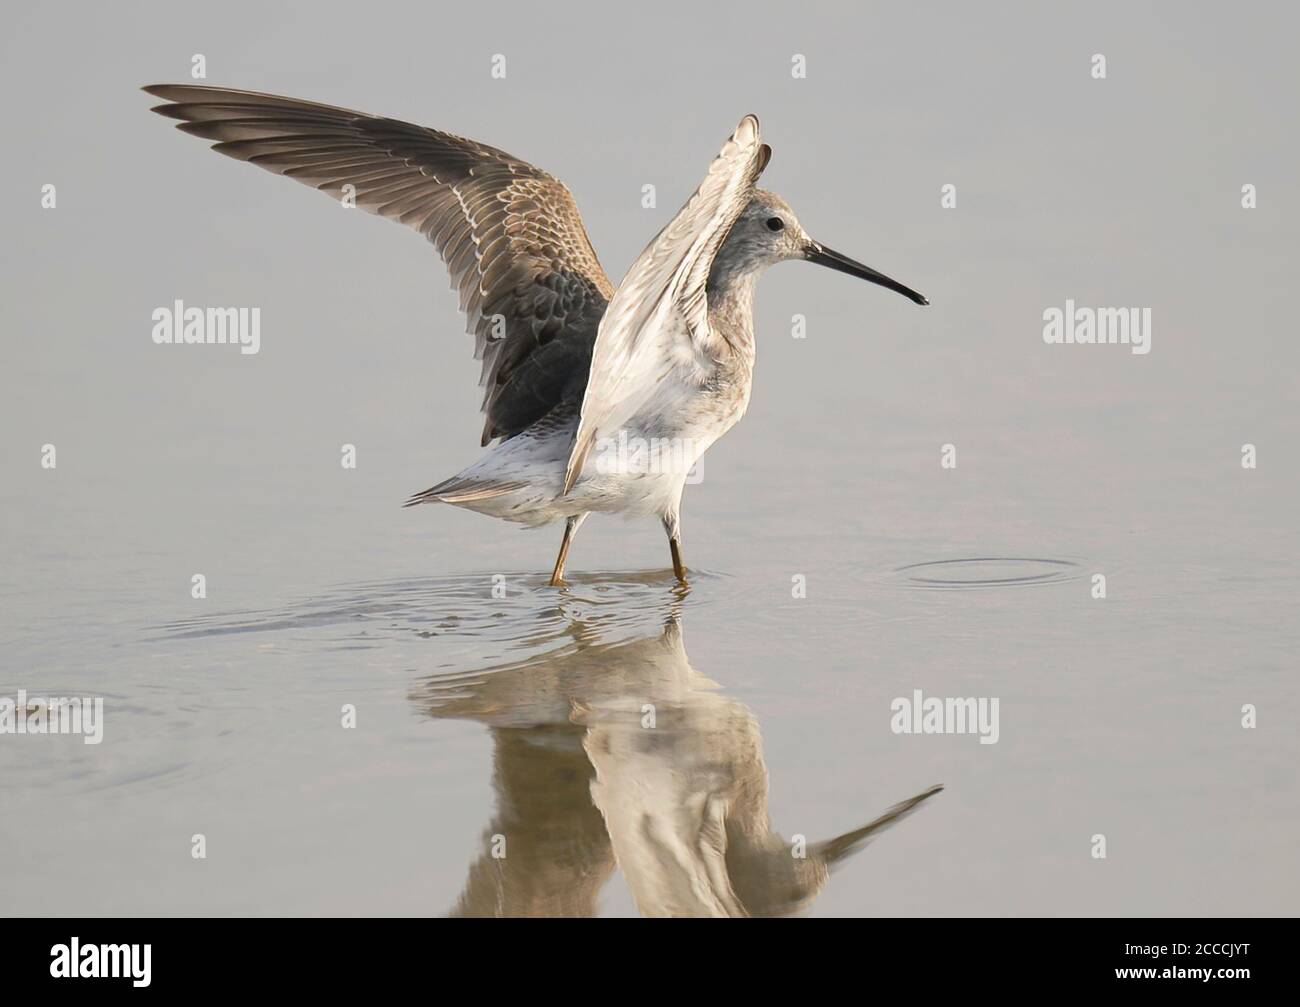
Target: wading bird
point(574, 369)
point(585, 783)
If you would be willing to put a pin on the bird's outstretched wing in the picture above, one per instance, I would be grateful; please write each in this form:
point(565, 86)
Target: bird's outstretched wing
point(529, 281)
point(660, 308)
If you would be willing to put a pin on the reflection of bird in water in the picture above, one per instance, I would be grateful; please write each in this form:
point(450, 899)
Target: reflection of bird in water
point(557, 853)
point(623, 753)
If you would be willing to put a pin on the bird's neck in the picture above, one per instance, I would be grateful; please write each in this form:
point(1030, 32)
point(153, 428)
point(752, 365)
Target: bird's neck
point(730, 294)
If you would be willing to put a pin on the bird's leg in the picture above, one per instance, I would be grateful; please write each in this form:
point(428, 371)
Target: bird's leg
point(672, 525)
point(570, 529)
point(679, 568)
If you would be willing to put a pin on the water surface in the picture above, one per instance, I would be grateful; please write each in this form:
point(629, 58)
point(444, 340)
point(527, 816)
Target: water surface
point(837, 565)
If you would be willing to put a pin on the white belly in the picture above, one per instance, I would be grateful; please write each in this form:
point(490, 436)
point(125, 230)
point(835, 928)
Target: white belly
point(638, 470)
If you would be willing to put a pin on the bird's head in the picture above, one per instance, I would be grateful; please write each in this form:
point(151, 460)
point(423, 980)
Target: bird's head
point(767, 232)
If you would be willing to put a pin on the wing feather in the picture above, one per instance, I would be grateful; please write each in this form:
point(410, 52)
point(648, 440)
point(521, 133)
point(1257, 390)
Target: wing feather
point(510, 234)
point(662, 301)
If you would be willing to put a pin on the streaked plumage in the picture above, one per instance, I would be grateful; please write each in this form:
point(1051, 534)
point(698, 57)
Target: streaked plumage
point(570, 364)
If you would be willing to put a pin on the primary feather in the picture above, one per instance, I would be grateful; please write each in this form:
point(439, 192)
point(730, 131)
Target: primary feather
point(530, 284)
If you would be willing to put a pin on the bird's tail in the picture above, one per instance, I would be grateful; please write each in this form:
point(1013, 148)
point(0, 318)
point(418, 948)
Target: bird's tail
point(460, 490)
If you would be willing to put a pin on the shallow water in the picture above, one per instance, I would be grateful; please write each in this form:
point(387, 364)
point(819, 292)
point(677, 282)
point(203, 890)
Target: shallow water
point(837, 567)
point(478, 716)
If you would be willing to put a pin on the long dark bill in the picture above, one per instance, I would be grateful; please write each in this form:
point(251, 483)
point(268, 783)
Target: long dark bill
point(832, 259)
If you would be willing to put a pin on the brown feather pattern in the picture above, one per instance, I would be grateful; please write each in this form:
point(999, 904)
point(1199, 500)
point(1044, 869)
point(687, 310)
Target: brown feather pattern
point(510, 233)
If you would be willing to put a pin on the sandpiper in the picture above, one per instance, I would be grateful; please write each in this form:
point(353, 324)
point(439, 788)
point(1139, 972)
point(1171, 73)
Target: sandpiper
point(572, 366)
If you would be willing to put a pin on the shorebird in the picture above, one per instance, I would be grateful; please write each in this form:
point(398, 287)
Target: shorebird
point(596, 398)
point(585, 784)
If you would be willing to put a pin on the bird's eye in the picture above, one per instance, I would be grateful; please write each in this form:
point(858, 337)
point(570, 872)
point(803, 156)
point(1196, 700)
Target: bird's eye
point(775, 223)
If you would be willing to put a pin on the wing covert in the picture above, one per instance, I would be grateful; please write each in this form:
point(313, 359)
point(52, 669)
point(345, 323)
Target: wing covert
point(529, 281)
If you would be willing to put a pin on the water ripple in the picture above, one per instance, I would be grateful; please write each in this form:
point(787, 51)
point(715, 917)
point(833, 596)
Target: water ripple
point(989, 572)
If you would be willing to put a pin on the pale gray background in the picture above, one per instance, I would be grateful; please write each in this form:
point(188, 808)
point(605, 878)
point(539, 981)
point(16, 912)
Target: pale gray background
point(1118, 716)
